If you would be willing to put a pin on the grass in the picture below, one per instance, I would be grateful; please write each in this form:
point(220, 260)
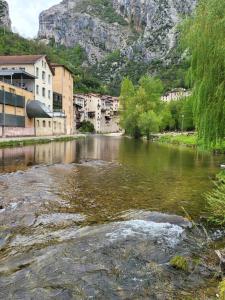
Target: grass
point(27, 142)
point(216, 201)
point(180, 263)
point(190, 140)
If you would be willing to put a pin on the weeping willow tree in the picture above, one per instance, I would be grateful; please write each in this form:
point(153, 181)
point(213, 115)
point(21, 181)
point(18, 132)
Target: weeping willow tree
point(204, 36)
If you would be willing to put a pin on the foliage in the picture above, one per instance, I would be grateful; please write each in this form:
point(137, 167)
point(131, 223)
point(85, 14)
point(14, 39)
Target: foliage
point(203, 35)
point(180, 263)
point(181, 139)
point(182, 114)
point(73, 58)
point(87, 126)
point(216, 201)
point(102, 9)
point(222, 290)
point(140, 106)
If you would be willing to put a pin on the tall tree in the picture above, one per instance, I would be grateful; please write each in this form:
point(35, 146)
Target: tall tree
point(204, 36)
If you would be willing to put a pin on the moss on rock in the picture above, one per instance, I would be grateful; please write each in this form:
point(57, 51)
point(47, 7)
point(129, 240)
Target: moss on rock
point(179, 263)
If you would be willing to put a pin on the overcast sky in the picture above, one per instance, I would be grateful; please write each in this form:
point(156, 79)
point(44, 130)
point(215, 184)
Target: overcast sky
point(24, 15)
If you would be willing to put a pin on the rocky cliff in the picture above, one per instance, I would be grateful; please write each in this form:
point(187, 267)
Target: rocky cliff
point(4, 15)
point(141, 29)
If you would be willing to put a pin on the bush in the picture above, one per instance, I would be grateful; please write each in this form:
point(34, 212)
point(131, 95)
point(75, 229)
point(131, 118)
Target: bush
point(87, 126)
point(222, 290)
point(216, 201)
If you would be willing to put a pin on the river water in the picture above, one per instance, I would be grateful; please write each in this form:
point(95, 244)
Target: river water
point(100, 218)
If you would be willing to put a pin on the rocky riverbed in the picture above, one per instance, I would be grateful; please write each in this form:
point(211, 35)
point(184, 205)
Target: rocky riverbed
point(52, 250)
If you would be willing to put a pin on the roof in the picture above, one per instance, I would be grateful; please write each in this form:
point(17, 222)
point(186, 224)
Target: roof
point(16, 74)
point(62, 66)
point(23, 60)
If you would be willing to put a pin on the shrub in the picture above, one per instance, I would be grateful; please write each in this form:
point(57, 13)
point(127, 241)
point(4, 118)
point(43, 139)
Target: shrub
point(216, 201)
point(87, 126)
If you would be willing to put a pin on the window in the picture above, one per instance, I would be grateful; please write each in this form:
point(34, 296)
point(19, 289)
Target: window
point(38, 123)
point(37, 72)
point(22, 69)
point(49, 79)
point(44, 123)
point(43, 75)
point(43, 92)
point(49, 124)
point(37, 89)
point(49, 94)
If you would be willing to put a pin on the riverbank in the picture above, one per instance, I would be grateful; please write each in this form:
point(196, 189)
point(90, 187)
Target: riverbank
point(24, 141)
point(188, 140)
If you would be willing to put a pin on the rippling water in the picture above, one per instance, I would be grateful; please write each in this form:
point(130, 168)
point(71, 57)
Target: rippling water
point(68, 209)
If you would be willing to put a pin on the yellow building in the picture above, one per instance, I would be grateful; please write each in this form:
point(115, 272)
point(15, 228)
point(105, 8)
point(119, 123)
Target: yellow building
point(13, 118)
point(63, 95)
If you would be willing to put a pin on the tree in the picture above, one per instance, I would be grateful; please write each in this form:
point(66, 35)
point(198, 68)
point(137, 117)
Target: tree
point(204, 36)
point(148, 122)
point(140, 106)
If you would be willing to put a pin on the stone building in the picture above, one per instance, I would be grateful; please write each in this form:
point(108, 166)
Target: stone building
point(101, 110)
point(176, 94)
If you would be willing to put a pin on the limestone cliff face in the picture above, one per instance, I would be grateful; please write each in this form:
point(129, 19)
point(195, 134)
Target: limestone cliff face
point(140, 29)
point(4, 15)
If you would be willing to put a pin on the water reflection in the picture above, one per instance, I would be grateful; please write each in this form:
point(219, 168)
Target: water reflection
point(13, 159)
point(145, 175)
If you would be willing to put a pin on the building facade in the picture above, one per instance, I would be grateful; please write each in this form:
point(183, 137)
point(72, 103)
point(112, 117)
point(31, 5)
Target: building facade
point(63, 95)
point(101, 110)
point(13, 118)
point(34, 76)
point(175, 95)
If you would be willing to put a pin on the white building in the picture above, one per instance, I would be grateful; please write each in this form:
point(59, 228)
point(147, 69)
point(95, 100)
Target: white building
point(101, 111)
point(39, 67)
point(176, 94)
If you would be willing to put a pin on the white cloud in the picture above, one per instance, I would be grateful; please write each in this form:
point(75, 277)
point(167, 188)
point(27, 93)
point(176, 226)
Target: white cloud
point(24, 15)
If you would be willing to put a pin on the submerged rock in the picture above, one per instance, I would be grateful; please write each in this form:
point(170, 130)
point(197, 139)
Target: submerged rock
point(119, 260)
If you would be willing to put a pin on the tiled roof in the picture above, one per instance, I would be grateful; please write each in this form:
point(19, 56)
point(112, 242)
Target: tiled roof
point(23, 60)
point(19, 59)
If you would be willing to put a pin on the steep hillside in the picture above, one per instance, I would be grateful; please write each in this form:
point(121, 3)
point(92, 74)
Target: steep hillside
point(4, 15)
point(143, 30)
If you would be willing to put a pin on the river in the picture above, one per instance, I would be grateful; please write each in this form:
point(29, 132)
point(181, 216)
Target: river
point(100, 218)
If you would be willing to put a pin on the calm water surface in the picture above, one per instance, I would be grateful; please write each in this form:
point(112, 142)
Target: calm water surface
point(114, 175)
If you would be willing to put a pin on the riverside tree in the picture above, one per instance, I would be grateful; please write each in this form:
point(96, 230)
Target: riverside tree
point(141, 106)
point(204, 37)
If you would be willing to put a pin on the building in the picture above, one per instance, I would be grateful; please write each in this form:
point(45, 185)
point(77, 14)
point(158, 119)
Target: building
point(14, 120)
point(176, 94)
point(63, 95)
point(35, 75)
point(37, 66)
point(101, 110)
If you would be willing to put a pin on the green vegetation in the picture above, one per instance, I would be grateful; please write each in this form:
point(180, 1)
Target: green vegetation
point(216, 201)
point(222, 290)
point(181, 139)
point(180, 263)
point(203, 36)
point(102, 9)
point(73, 58)
point(87, 126)
point(144, 113)
point(141, 106)
point(26, 142)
